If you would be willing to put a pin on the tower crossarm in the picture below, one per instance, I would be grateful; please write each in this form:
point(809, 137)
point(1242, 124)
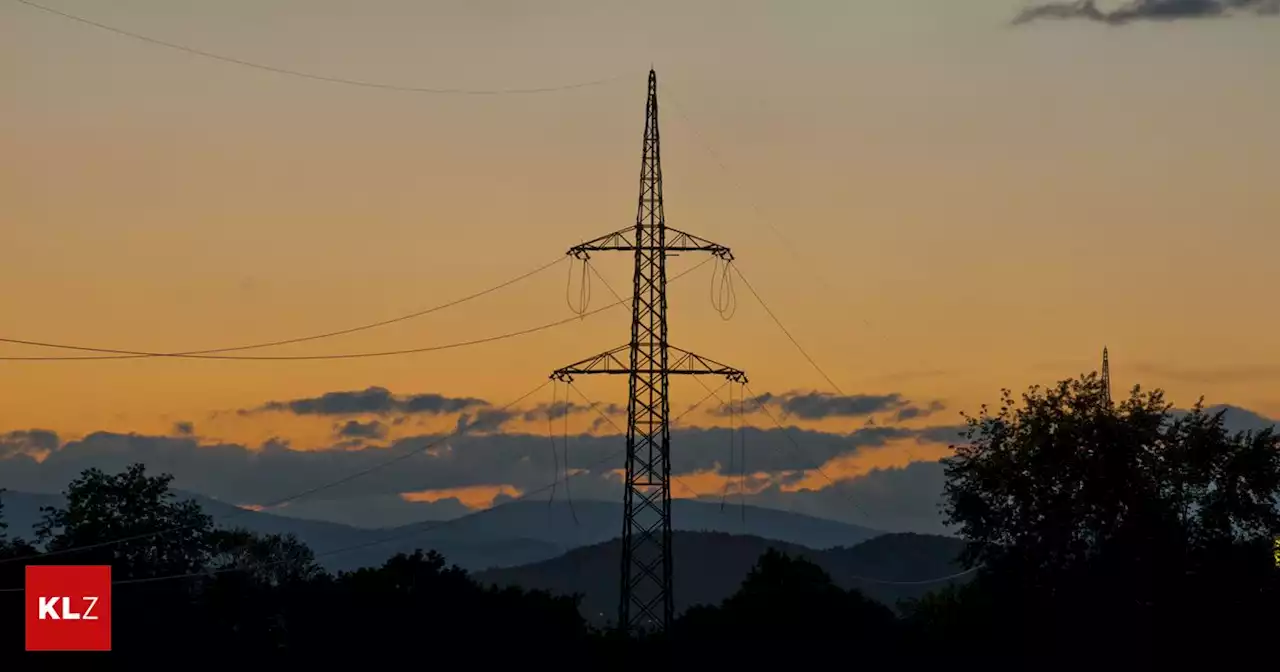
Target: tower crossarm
point(616, 362)
point(624, 241)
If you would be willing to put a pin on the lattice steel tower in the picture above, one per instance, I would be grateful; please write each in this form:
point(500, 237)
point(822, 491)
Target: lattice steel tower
point(1106, 375)
point(648, 361)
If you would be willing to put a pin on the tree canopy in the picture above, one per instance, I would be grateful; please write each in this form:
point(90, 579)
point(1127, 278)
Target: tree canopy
point(1100, 531)
point(1120, 520)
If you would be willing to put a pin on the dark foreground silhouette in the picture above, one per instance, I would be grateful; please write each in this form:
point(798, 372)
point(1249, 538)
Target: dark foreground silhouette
point(889, 569)
point(1108, 536)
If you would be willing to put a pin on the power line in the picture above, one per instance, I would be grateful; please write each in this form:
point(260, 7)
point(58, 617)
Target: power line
point(349, 477)
point(344, 549)
point(312, 76)
point(136, 354)
point(284, 500)
point(774, 317)
point(757, 398)
point(341, 332)
point(444, 523)
point(593, 405)
point(835, 486)
point(922, 582)
point(795, 444)
point(793, 340)
point(706, 147)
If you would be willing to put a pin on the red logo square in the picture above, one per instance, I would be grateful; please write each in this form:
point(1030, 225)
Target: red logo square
point(68, 607)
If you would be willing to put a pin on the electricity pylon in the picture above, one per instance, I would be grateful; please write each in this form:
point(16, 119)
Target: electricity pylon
point(1106, 376)
point(648, 361)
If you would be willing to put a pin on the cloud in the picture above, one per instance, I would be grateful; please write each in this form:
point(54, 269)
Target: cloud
point(484, 420)
point(913, 412)
point(257, 475)
point(30, 443)
point(371, 401)
point(876, 486)
point(354, 429)
point(562, 408)
point(822, 405)
point(898, 499)
point(1147, 10)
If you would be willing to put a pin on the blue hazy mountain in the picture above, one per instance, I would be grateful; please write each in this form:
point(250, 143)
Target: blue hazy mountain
point(710, 566)
point(511, 534)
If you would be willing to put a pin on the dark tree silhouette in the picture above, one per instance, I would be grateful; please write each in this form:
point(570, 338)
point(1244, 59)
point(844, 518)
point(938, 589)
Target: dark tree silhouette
point(161, 536)
point(784, 602)
point(273, 559)
point(1107, 534)
point(1117, 525)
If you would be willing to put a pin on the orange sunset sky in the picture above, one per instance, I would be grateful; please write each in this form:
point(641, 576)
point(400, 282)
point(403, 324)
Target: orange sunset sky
point(934, 202)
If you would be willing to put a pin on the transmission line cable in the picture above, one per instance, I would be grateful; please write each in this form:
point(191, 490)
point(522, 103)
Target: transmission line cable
point(796, 444)
point(786, 332)
point(723, 297)
point(135, 354)
point(551, 434)
point(724, 495)
point(702, 142)
point(584, 290)
point(352, 330)
point(523, 496)
point(759, 403)
point(595, 407)
point(712, 393)
point(284, 500)
point(344, 549)
point(313, 76)
point(445, 523)
point(564, 445)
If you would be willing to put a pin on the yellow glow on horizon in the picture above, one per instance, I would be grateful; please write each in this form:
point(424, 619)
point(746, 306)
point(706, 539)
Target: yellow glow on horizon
point(472, 497)
point(892, 455)
point(986, 206)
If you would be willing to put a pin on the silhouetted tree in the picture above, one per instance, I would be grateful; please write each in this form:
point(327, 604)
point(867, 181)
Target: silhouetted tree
point(783, 602)
point(1114, 524)
point(155, 535)
point(273, 559)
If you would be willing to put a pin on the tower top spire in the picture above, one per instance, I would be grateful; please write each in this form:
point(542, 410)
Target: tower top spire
point(650, 212)
point(1106, 374)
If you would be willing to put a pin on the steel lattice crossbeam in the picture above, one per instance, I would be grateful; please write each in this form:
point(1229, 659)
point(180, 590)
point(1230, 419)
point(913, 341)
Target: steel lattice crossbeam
point(648, 361)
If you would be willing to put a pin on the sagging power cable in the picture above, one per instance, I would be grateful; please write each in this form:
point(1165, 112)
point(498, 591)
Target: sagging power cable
point(112, 353)
point(584, 288)
point(413, 531)
point(316, 337)
point(312, 76)
point(723, 297)
point(283, 500)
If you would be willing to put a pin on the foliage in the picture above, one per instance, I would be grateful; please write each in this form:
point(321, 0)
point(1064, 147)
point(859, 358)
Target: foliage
point(1102, 531)
point(1114, 518)
point(160, 536)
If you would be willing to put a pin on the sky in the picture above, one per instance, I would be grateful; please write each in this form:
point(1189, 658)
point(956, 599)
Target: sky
point(936, 200)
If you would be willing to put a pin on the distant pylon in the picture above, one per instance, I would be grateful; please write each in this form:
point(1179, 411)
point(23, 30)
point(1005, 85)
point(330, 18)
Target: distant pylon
point(1106, 376)
point(646, 600)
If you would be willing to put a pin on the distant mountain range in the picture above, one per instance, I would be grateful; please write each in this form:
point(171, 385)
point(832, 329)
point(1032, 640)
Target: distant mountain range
point(512, 534)
point(709, 567)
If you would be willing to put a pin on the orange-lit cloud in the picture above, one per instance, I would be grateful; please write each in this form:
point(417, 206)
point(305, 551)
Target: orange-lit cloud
point(891, 455)
point(473, 497)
